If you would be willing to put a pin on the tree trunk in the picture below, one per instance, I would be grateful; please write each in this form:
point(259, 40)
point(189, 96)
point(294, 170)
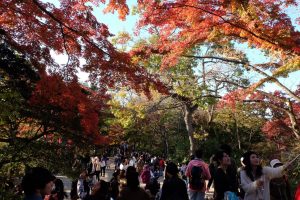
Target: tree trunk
point(188, 112)
point(293, 119)
point(237, 132)
point(166, 144)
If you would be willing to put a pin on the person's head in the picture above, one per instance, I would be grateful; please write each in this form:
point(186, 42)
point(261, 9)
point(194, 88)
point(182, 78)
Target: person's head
point(171, 169)
point(38, 181)
point(275, 163)
point(100, 190)
point(222, 158)
point(132, 178)
point(251, 158)
point(83, 175)
point(59, 185)
point(59, 189)
point(226, 148)
point(116, 173)
point(192, 157)
point(198, 153)
point(252, 163)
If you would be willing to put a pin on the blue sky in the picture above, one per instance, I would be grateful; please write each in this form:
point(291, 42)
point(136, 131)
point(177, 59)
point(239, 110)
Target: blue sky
point(255, 56)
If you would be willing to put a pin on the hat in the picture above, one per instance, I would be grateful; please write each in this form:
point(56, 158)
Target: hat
point(274, 162)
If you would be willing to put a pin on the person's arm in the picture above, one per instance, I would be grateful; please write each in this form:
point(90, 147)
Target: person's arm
point(271, 172)
point(210, 183)
point(188, 170)
point(207, 175)
point(248, 186)
point(212, 174)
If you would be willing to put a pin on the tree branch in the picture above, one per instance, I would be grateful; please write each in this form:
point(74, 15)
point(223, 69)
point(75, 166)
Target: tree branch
point(254, 68)
point(229, 22)
point(68, 27)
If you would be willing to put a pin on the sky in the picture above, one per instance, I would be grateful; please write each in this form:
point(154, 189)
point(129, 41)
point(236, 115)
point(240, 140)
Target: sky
point(254, 55)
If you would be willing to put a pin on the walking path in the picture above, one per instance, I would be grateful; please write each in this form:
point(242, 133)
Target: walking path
point(108, 175)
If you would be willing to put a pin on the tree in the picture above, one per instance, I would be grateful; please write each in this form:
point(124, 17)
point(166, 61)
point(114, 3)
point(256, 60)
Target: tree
point(40, 30)
point(35, 29)
point(264, 25)
point(196, 85)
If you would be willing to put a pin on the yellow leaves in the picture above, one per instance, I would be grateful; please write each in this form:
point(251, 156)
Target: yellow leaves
point(215, 33)
point(127, 108)
point(289, 67)
point(243, 34)
point(200, 136)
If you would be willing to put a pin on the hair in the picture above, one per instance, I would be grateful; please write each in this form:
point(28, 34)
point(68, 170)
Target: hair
point(248, 167)
point(132, 178)
point(59, 189)
point(172, 169)
point(116, 173)
point(219, 156)
point(192, 157)
point(103, 192)
point(198, 153)
point(36, 179)
point(226, 148)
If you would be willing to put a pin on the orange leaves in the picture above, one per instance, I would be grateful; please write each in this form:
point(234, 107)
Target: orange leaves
point(184, 23)
point(69, 101)
point(36, 28)
point(120, 6)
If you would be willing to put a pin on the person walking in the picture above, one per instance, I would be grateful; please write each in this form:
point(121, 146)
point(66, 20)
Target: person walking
point(173, 187)
point(132, 191)
point(225, 181)
point(197, 172)
point(83, 189)
point(97, 167)
point(102, 166)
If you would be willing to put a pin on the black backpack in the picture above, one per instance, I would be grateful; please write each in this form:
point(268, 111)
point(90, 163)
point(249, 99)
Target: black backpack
point(196, 180)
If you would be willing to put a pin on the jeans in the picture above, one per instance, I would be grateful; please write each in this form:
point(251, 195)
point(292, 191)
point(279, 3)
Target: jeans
point(196, 195)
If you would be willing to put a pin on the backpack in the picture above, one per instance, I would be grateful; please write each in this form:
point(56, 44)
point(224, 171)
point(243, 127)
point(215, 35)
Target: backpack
point(196, 180)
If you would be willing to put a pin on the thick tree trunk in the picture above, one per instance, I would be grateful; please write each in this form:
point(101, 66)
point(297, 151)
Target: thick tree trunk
point(188, 112)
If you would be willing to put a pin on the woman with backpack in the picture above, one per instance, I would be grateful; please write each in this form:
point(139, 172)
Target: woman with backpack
point(225, 182)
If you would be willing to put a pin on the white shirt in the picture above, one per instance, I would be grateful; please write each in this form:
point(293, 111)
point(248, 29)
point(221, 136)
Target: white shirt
point(252, 192)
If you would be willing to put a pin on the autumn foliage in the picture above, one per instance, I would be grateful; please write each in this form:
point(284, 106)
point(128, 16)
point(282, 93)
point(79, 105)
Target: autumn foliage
point(184, 23)
point(40, 30)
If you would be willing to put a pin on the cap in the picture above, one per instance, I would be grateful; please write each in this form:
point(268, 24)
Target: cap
point(274, 162)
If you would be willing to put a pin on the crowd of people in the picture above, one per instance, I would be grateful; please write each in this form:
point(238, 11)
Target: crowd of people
point(136, 178)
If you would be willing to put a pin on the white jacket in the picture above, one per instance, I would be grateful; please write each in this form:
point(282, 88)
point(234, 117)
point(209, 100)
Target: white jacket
point(252, 192)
